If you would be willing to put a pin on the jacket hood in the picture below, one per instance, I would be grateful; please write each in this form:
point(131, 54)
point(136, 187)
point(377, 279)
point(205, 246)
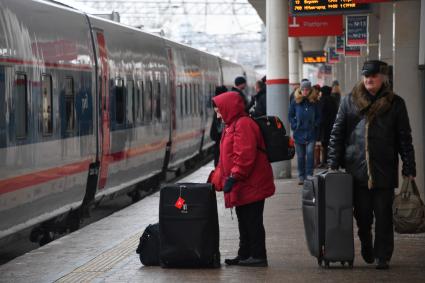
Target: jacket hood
point(231, 106)
point(312, 96)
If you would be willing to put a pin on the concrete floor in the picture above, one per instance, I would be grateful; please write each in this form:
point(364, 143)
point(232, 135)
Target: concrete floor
point(105, 251)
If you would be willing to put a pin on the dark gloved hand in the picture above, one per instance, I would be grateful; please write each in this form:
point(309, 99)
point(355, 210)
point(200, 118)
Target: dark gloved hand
point(229, 184)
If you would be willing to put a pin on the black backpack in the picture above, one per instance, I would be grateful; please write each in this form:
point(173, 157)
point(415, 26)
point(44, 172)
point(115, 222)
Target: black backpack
point(279, 146)
point(148, 248)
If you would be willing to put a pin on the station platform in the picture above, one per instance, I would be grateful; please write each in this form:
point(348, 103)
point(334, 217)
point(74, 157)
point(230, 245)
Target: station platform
point(105, 251)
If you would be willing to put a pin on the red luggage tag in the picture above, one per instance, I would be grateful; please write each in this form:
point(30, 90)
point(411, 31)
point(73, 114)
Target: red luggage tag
point(278, 123)
point(179, 203)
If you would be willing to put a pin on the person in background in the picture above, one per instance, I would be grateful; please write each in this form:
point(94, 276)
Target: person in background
point(258, 102)
point(295, 88)
point(328, 109)
point(304, 117)
point(247, 177)
point(371, 129)
point(240, 85)
point(217, 127)
point(336, 92)
point(317, 88)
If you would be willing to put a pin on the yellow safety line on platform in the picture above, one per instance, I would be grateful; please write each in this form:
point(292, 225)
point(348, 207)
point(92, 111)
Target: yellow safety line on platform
point(103, 262)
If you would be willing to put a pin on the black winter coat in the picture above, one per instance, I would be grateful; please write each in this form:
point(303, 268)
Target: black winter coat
point(368, 134)
point(260, 103)
point(245, 99)
point(329, 108)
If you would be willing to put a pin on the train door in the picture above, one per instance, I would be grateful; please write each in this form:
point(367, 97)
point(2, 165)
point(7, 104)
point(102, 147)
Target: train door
point(171, 107)
point(103, 94)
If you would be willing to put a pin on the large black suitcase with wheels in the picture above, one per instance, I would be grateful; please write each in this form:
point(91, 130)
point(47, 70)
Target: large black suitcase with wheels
point(188, 226)
point(327, 204)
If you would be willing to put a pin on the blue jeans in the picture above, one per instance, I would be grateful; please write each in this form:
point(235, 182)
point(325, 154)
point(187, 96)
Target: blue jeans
point(305, 152)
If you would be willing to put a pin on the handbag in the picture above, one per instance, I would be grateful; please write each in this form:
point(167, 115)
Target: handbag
point(215, 179)
point(148, 248)
point(408, 209)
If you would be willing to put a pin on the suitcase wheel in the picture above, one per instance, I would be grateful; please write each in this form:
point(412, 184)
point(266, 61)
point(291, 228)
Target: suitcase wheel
point(350, 264)
point(319, 262)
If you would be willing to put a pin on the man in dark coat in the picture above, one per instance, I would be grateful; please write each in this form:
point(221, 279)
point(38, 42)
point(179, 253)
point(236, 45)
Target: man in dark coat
point(258, 101)
point(217, 127)
point(328, 110)
point(371, 129)
point(240, 85)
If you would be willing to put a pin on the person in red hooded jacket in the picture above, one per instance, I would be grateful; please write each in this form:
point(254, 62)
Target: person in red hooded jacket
point(247, 177)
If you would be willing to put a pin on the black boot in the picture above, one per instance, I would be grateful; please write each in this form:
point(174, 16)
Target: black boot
point(255, 262)
point(234, 261)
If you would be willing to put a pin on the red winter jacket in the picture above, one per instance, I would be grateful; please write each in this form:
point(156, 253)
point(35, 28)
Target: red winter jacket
point(239, 153)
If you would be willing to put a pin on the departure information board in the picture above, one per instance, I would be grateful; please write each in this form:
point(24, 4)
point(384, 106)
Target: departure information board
point(313, 57)
point(323, 7)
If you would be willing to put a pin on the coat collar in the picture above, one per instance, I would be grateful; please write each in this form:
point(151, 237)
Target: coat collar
point(312, 96)
point(372, 107)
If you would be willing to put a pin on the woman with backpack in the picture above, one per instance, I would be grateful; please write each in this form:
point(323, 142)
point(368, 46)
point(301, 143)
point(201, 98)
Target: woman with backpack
point(246, 177)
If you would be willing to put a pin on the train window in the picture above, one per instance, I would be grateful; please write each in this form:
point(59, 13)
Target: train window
point(210, 96)
point(47, 104)
point(193, 99)
point(186, 106)
point(130, 102)
point(179, 99)
point(200, 101)
point(21, 105)
point(190, 100)
point(69, 105)
point(148, 102)
point(140, 106)
point(119, 101)
point(158, 101)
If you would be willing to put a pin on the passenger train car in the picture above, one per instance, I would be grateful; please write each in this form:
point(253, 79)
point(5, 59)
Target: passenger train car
point(90, 108)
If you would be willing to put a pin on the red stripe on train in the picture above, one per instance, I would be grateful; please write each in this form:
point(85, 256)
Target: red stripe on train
point(32, 179)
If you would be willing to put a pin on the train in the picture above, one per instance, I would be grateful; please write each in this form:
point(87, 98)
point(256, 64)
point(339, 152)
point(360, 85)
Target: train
point(91, 108)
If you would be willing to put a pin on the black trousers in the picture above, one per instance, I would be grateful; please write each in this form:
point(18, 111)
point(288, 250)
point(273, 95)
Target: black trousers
point(375, 202)
point(252, 236)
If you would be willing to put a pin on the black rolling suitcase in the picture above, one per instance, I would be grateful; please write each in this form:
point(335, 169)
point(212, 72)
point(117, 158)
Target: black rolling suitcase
point(188, 226)
point(327, 204)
